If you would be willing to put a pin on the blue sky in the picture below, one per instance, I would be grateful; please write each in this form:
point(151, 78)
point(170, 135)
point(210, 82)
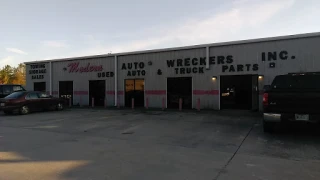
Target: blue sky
point(42, 29)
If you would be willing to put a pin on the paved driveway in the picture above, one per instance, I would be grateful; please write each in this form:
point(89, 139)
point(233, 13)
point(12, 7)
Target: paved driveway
point(123, 144)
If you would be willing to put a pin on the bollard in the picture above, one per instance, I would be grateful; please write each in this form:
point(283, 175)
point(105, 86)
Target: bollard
point(132, 103)
point(118, 103)
point(163, 103)
point(180, 104)
point(198, 104)
point(92, 102)
point(105, 103)
point(80, 103)
point(147, 103)
point(69, 102)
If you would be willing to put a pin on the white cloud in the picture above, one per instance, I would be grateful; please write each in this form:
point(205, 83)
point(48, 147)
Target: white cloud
point(243, 16)
point(15, 50)
point(7, 61)
point(55, 44)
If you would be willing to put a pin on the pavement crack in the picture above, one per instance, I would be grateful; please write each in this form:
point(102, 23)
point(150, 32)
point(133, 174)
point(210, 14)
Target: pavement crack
point(223, 169)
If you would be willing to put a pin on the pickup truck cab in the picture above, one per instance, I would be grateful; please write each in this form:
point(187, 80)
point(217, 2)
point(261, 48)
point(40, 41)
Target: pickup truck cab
point(292, 97)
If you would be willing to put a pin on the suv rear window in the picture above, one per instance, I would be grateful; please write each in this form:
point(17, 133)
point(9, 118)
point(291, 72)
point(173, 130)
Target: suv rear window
point(18, 88)
point(15, 95)
point(8, 89)
point(296, 82)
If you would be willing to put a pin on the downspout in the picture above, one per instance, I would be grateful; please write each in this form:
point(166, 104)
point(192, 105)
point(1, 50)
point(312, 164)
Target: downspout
point(207, 58)
point(50, 77)
point(115, 80)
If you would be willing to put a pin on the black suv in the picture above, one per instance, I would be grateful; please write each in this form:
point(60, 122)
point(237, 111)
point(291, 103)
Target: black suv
point(7, 89)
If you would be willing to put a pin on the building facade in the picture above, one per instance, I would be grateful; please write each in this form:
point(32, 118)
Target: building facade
point(211, 76)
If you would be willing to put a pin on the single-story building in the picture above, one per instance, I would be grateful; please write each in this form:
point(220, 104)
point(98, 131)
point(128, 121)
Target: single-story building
point(211, 76)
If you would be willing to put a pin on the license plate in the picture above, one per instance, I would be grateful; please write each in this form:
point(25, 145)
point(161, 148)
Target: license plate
point(302, 117)
point(2, 104)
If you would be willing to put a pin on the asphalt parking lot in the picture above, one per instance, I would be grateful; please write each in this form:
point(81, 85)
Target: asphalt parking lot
point(101, 144)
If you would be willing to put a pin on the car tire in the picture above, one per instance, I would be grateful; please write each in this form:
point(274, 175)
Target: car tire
point(59, 106)
point(268, 127)
point(8, 112)
point(24, 110)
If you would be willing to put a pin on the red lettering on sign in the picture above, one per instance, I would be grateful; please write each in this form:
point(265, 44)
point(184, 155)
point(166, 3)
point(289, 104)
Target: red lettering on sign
point(74, 67)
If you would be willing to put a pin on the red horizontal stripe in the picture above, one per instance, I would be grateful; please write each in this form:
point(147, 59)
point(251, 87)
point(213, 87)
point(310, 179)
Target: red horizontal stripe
point(110, 92)
point(214, 92)
point(155, 92)
point(120, 93)
point(198, 92)
point(81, 92)
point(206, 92)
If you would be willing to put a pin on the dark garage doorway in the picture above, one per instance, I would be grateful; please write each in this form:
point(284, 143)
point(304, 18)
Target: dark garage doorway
point(134, 88)
point(177, 88)
point(97, 90)
point(239, 92)
point(39, 86)
point(66, 90)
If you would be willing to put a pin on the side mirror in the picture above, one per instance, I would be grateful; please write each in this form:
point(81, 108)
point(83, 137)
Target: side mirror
point(266, 87)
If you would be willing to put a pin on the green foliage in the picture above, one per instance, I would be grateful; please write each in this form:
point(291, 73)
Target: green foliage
point(13, 75)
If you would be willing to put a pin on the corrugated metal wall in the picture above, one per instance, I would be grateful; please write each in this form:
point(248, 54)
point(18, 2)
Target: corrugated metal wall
point(156, 85)
point(302, 56)
point(35, 73)
point(292, 55)
point(81, 80)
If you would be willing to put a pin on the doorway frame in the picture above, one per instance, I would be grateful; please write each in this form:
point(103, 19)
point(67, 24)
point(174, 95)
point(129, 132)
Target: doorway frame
point(191, 90)
point(105, 88)
point(72, 90)
point(220, 79)
point(144, 90)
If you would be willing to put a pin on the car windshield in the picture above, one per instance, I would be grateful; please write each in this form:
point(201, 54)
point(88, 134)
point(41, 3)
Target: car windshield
point(296, 82)
point(15, 95)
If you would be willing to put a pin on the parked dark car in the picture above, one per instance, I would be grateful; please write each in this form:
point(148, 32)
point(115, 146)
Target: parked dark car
point(25, 102)
point(6, 89)
point(292, 98)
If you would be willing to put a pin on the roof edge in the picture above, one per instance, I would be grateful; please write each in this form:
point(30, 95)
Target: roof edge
point(277, 38)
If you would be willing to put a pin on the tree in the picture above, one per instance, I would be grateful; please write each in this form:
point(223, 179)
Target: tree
point(6, 74)
point(19, 75)
point(13, 75)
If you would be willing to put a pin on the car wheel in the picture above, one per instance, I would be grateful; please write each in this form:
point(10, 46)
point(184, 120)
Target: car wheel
point(24, 110)
point(59, 106)
point(268, 127)
point(8, 112)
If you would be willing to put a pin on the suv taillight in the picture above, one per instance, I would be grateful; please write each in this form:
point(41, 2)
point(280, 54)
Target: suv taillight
point(265, 99)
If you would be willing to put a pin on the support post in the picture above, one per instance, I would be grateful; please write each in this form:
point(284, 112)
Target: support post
point(132, 103)
point(147, 103)
point(80, 102)
point(163, 103)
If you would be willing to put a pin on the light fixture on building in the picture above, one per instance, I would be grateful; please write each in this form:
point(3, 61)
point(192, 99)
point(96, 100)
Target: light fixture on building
point(214, 78)
point(260, 76)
